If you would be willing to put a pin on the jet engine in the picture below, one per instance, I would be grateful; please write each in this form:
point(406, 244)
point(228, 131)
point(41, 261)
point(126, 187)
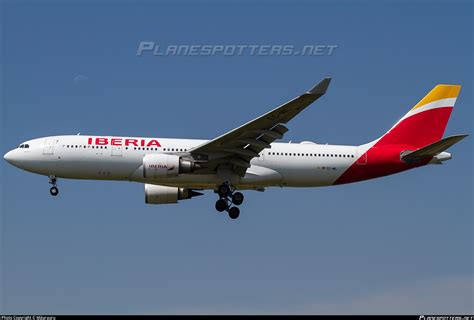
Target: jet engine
point(165, 165)
point(155, 194)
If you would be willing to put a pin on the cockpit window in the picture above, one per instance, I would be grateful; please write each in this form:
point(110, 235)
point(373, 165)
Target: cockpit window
point(25, 145)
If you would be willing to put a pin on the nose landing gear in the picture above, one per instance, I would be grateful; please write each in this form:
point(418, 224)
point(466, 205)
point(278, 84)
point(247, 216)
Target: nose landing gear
point(228, 197)
point(54, 189)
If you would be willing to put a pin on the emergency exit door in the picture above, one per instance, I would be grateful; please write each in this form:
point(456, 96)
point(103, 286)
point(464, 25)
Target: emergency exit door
point(117, 150)
point(48, 146)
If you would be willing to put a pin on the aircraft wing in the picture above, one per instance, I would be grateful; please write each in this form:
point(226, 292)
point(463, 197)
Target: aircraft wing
point(237, 147)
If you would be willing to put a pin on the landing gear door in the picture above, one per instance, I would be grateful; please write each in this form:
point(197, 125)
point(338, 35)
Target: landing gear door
point(48, 146)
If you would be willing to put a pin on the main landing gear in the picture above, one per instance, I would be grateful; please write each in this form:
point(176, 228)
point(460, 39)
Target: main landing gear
point(228, 197)
point(54, 189)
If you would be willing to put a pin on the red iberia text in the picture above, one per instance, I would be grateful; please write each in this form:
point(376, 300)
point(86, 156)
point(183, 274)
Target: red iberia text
point(101, 141)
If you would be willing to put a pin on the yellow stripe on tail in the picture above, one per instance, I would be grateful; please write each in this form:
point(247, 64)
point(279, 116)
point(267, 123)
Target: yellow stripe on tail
point(441, 91)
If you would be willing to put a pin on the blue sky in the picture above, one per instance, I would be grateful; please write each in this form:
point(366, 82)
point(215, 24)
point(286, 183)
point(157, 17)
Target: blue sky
point(400, 244)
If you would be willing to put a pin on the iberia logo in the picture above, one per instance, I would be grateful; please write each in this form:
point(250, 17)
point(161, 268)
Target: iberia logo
point(124, 142)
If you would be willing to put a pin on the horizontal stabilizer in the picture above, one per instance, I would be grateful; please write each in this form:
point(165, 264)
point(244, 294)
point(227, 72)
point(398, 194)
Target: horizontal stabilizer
point(431, 150)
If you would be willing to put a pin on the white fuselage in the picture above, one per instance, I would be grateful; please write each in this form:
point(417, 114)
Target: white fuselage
point(303, 164)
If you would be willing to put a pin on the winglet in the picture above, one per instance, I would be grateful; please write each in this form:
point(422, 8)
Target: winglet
point(321, 87)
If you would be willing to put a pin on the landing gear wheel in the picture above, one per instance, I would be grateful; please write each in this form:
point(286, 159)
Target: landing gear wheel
point(221, 205)
point(234, 213)
point(237, 198)
point(54, 191)
point(223, 190)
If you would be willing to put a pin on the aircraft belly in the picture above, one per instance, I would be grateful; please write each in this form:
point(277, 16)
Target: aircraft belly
point(313, 174)
point(94, 167)
point(256, 177)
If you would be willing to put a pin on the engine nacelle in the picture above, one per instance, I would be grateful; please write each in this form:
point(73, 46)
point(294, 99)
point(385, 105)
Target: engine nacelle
point(165, 165)
point(155, 194)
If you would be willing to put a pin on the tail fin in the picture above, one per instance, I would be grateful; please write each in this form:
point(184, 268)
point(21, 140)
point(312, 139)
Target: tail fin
point(425, 123)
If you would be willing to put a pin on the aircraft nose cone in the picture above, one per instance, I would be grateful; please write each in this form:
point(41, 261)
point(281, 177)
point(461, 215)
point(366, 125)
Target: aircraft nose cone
point(9, 157)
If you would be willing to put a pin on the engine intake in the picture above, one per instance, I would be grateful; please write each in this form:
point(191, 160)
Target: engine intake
point(155, 194)
point(165, 165)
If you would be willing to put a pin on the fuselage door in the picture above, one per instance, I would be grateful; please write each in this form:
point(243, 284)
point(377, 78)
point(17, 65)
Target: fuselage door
point(48, 146)
point(361, 157)
point(117, 150)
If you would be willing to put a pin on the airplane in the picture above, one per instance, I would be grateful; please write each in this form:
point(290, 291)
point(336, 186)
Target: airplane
point(247, 157)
